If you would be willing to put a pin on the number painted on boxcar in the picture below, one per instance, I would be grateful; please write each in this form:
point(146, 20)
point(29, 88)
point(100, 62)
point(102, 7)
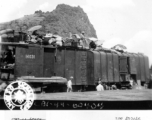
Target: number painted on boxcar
point(30, 56)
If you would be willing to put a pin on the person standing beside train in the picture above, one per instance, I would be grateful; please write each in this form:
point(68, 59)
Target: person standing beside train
point(3, 85)
point(69, 84)
point(99, 86)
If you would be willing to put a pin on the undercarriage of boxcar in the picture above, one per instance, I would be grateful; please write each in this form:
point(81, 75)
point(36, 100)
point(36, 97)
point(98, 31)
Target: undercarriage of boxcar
point(86, 66)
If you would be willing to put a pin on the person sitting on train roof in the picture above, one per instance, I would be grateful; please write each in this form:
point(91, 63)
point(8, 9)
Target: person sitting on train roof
point(67, 41)
point(92, 45)
point(52, 41)
point(31, 37)
point(47, 37)
point(36, 37)
point(75, 40)
point(58, 39)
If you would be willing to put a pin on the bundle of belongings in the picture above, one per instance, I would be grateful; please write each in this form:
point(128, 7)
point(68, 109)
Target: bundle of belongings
point(73, 40)
point(77, 41)
point(35, 36)
point(50, 39)
point(10, 35)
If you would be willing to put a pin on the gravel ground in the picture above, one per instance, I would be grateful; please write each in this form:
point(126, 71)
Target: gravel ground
point(108, 95)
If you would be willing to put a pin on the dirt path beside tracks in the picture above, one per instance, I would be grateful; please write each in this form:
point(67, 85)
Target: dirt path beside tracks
point(109, 95)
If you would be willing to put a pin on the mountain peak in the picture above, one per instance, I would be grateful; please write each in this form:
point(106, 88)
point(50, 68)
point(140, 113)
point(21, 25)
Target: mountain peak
point(63, 20)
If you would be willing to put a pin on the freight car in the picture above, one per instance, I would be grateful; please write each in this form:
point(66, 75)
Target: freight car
point(86, 66)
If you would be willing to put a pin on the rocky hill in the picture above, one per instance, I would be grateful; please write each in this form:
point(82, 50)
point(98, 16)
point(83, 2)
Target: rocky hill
point(62, 20)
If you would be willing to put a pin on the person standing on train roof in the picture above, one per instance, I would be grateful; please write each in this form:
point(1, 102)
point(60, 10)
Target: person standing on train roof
point(84, 41)
point(69, 84)
point(99, 86)
point(83, 34)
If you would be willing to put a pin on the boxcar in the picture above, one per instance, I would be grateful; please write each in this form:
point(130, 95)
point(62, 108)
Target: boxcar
point(86, 66)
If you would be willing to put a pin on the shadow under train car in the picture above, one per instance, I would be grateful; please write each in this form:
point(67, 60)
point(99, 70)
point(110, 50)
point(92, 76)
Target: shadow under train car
point(46, 84)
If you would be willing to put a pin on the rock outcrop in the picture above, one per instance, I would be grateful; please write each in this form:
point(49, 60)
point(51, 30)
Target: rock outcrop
point(63, 20)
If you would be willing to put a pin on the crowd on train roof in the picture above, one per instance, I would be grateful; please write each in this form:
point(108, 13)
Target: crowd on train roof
point(35, 36)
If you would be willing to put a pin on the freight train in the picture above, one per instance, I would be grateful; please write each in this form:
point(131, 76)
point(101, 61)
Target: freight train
point(86, 66)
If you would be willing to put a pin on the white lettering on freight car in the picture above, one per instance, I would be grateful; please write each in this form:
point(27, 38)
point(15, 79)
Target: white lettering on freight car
point(30, 56)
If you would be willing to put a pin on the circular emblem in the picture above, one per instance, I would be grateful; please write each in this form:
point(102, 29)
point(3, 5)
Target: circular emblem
point(19, 95)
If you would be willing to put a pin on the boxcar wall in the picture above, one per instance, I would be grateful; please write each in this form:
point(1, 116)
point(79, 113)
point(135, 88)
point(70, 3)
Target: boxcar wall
point(84, 65)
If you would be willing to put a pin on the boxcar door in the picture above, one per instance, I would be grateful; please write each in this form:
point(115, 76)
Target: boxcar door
point(49, 58)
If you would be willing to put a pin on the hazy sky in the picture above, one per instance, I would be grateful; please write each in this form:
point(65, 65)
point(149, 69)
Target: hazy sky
point(127, 22)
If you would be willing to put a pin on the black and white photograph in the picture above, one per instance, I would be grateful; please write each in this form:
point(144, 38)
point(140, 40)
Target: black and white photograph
point(67, 56)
